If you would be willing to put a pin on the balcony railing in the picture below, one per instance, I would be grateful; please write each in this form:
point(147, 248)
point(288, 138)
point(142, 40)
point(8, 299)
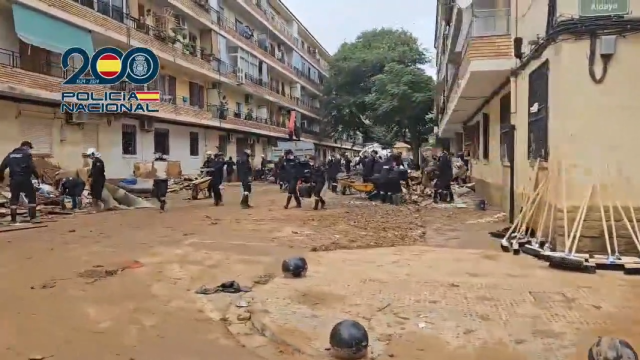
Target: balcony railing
point(180, 45)
point(247, 36)
point(33, 64)
point(286, 33)
point(483, 23)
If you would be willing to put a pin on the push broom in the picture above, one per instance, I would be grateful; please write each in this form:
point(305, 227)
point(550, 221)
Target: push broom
point(505, 243)
point(534, 248)
point(530, 212)
point(568, 261)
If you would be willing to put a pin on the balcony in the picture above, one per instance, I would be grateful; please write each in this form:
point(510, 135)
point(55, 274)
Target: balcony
point(206, 14)
point(487, 58)
point(42, 80)
point(283, 30)
point(120, 25)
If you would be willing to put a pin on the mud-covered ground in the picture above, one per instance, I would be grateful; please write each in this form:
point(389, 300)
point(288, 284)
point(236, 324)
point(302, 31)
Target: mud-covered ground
point(64, 294)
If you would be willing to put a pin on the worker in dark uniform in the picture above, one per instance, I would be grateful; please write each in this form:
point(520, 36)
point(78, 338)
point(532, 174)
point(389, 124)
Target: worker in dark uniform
point(369, 165)
point(245, 174)
point(206, 169)
point(292, 174)
point(161, 181)
point(445, 175)
point(21, 167)
point(230, 166)
point(217, 176)
point(98, 178)
point(318, 181)
point(281, 173)
point(72, 187)
point(397, 174)
point(347, 164)
point(333, 169)
point(385, 169)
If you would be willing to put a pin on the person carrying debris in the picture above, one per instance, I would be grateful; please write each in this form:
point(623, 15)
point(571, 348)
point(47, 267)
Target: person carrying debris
point(245, 174)
point(217, 176)
point(318, 181)
point(72, 187)
point(98, 178)
point(443, 180)
point(206, 169)
point(161, 181)
point(21, 167)
point(291, 173)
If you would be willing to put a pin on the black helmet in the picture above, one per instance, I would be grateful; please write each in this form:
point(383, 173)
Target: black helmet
point(295, 267)
point(349, 340)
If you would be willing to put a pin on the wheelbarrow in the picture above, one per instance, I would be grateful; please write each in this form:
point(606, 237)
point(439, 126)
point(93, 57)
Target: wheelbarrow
point(362, 188)
point(199, 187)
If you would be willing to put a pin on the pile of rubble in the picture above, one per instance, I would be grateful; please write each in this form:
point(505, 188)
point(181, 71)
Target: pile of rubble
point(417, 194)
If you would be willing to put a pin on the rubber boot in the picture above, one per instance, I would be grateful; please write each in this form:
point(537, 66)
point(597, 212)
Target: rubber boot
point(298, 202)
point(33, 218)
point(322, 203)
point(163, 204)
point(316, 203)
point(383, 198)
point(14, 216)
point(286, 205)
point(244, 203)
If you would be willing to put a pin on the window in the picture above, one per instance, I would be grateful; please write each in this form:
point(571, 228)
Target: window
point(539, 112)
point(485, 136)
point(239, 110)
point(472, 140)
point(194, 144)
point(196, 95)
point(129, 139)
point(161, 141)
point(505, 124)
point(222, 144)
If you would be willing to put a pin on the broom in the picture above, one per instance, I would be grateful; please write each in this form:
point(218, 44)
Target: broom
point(633, 270)
point(611, 261)
point(504, 243)
point(568, 261)
point(534, 249)
point(530, 212)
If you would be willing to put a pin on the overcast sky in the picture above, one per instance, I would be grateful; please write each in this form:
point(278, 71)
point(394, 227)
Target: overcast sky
point(335, 21)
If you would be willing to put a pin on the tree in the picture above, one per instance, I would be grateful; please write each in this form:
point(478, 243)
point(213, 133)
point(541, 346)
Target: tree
point(353, 70)
point(402, 98)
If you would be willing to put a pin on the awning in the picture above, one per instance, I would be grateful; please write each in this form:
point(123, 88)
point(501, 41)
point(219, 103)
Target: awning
point(41, 30)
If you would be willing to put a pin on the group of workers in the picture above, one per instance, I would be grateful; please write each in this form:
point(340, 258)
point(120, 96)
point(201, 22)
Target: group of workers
point(22, 170)
point(214, 167)
point(386, 175)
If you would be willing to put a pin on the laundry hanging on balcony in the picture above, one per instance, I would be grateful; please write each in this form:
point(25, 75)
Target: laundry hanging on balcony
point(41, 30)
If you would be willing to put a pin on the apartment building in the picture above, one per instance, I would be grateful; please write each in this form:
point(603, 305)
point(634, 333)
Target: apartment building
point(522, 81)
point(231, 72)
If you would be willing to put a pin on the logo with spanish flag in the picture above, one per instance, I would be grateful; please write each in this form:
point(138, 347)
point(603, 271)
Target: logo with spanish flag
point(132, 73)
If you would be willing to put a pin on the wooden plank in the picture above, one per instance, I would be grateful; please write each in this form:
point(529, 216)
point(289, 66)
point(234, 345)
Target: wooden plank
point(11, 228)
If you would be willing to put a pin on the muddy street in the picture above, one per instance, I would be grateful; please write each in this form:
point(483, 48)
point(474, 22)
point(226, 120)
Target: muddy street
point(121, 285)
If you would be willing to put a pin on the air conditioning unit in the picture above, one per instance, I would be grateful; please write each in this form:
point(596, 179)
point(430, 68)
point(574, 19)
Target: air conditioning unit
point(230, 138)
point(240, 77)
point(248, 99)
point(75, 119)
point(146, 125)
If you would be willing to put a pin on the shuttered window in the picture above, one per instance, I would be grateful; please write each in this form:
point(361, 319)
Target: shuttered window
point(39, 132)
point(90, 136)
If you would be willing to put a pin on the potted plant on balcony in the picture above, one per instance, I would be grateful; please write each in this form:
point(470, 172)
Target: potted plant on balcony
point(249, 115)
point(189, 48)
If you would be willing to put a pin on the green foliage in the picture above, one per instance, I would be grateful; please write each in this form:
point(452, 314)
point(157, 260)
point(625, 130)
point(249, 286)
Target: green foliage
point(377, 88)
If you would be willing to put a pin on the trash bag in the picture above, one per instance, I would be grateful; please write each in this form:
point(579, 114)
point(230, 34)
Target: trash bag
point(295, 267)
point(349, 340)
point(305, 191)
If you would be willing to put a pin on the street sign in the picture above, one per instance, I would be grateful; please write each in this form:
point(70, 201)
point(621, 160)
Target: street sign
point(603, 7)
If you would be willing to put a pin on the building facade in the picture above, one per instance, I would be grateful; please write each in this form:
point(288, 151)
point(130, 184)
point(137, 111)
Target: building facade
point(230, 73)
point(520, 83)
